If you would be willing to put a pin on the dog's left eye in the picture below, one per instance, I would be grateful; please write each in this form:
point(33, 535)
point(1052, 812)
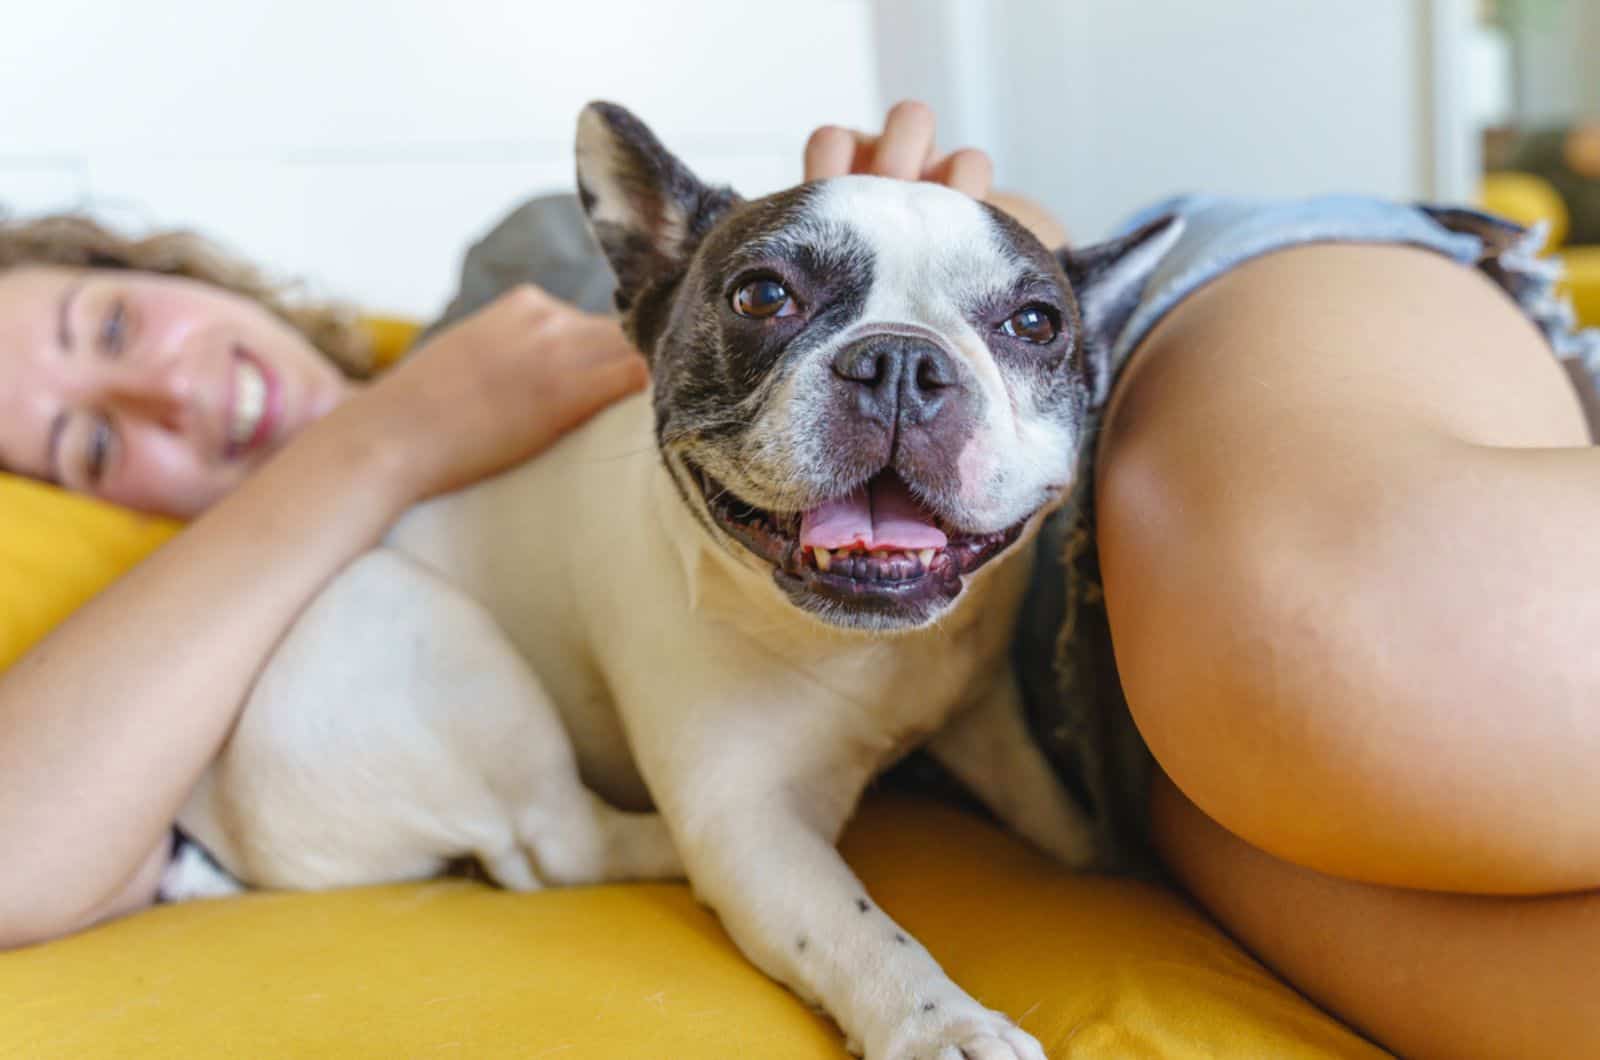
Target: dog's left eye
point(763, 299)
point(1032, 323)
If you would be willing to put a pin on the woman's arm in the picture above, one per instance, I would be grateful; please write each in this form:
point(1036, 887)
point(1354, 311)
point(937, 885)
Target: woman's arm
point(106, 725)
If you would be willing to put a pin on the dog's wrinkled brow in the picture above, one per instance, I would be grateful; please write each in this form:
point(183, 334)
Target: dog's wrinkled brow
point(1032, 283)
point(817, 249)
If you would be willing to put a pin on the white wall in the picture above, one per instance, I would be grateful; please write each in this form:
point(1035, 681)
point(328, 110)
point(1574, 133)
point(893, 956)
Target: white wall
point(1098, 107)
point(363, 146)
point(365, 151)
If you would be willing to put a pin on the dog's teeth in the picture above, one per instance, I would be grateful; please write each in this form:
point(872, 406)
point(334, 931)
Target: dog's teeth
point(824, 558)
point(926, 556)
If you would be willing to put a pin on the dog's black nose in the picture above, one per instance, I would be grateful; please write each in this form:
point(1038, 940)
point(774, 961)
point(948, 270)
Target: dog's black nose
point(897, 377)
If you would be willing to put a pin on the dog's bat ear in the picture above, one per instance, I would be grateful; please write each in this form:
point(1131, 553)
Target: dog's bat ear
point(1107, 280)
point(647, 210)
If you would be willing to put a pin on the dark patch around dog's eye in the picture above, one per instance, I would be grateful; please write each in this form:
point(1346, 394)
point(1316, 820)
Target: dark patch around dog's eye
point(711, 361)
point(763, 298)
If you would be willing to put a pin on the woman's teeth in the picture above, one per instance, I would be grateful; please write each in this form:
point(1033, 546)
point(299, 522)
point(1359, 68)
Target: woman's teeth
point(249, 403)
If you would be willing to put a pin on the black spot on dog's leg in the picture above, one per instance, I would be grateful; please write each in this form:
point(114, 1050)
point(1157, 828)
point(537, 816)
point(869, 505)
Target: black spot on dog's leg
point(863, 905)
point(929, 1006)
point(899, 936)
point(801, 943)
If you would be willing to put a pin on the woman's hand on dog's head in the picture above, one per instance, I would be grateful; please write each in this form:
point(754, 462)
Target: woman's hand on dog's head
point(904, 149)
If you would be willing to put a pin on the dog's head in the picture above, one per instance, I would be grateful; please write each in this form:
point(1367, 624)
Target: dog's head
point(866, 388)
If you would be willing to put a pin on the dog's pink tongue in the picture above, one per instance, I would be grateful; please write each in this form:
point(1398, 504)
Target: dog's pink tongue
point(880, 515)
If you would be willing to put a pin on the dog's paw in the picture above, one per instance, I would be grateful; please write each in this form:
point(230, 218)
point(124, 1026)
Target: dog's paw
point(965, 1033)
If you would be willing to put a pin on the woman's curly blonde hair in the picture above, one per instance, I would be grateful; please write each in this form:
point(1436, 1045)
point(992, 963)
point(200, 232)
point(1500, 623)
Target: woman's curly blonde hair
point(79, 241)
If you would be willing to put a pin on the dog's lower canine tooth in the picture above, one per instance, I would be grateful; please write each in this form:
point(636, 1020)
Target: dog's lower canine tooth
point(926, 556)
point(824, 558)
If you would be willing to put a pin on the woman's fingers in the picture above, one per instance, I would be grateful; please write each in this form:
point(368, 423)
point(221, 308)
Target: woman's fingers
point(969, 171)
point(906, 146)
point(904, 150)
point(831, 152)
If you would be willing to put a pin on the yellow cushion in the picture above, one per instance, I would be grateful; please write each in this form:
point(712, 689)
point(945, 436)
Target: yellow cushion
point(1095, 968)
point(391, 336)
point(1526, 199)
point(57, 549)
point(1583, 282)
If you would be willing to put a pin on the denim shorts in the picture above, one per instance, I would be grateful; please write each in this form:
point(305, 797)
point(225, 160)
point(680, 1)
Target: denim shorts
point(1063, 649)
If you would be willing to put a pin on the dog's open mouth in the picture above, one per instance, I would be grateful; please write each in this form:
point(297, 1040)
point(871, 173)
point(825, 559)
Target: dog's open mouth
point(876, 546)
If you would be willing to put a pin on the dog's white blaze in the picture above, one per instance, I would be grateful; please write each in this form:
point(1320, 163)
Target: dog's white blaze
point(935, 252)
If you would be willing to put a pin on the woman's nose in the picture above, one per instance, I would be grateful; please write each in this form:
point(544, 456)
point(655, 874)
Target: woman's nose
point(158, 394)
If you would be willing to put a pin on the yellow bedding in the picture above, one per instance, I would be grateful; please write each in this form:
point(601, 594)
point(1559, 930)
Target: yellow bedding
point(1095, 968)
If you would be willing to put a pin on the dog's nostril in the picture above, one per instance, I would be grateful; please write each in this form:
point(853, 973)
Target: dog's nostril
point(858, 365)
point(933, 372)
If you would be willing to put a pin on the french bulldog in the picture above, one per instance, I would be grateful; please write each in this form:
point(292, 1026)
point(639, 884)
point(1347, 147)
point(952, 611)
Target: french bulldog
point(685, 639)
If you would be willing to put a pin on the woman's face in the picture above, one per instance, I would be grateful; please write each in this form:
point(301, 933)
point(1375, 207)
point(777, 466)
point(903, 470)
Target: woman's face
point(155, 392)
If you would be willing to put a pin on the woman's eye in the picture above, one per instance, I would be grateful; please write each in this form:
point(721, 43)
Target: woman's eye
point(1032, 323)
point(764, 299)
point(99, 450)
point(113, 332)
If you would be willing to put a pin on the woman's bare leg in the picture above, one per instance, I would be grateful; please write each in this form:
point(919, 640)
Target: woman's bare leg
point(1426, 974)
point(1350, 533)
point(1351, 545)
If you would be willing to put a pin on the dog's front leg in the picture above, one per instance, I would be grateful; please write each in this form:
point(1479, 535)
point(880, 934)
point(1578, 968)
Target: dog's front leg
point(989, 749)
point(769, 869)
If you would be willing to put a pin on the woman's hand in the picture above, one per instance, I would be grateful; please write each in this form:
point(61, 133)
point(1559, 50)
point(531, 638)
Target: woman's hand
point(905, 150)
point(495, 389)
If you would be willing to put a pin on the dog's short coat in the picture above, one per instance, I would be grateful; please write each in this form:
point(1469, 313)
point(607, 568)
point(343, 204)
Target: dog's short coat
point(731, 601)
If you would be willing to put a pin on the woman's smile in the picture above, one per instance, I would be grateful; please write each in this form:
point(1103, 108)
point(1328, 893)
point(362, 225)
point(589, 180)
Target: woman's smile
point(255, 405)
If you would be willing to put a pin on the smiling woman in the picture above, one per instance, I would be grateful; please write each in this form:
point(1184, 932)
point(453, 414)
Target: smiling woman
point(155, 373)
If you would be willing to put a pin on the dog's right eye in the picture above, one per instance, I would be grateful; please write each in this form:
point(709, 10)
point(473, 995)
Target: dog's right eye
point(764, 298)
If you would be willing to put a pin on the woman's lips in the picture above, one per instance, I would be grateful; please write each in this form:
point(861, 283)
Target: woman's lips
point(255, 405)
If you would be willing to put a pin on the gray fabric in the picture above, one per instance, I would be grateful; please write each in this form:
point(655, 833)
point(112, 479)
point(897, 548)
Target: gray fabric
point(546, 242)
